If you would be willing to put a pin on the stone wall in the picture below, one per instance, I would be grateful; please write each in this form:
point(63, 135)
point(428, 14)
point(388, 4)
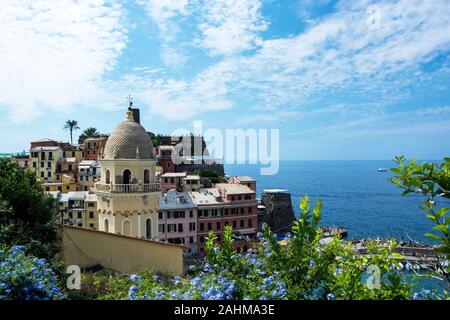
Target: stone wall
point(278, 212)
point(88, 248)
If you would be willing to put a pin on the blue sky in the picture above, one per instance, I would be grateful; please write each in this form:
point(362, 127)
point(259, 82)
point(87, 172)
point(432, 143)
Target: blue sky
point(340, 79)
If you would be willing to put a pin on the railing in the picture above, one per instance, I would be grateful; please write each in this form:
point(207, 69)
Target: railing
point(128, 188)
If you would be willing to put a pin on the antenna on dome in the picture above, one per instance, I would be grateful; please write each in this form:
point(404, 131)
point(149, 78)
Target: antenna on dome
point(130, 101)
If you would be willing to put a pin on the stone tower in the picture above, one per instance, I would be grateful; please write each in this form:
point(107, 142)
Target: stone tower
point(127, 194)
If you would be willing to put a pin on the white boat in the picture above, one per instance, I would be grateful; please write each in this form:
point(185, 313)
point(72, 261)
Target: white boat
point(382, 170)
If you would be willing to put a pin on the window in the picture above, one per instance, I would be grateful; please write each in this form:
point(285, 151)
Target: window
point(42, 164)
point(146, 176)
point(50, 155)
point(67, 187)
point(91, 215)
point(191, 214)
point(180, 227)
point(192, 226)
point(234, 224)
point(202, 227)
point(202, 239)
point(42, 174)
point(80, 224)
point(49, 174)
point(160, 215)
point(91, 204)
point(80, 215)
point(226, 211)
point(242, 223)
point(250, 222)
point(191, 239)
point(107, 179)
point(34, 164)
point(148, 228)
point(70, 215)
point(249, 209)
point(209, 226)
point(47, 188)
point(73, 153)
point(91, 225)
point(126, 176)
point(218, 226)
point(161, 228)
point(70, 167)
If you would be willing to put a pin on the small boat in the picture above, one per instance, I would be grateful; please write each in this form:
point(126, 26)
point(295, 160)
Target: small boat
point(382, 170)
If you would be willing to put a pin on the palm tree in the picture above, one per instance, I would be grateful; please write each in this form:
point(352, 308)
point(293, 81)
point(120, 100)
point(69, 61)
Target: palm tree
point(71, 125)
point(90, 132)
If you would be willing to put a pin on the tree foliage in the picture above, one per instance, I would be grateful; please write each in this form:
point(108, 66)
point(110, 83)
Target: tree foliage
point(431, 180)
point(27, 214)
point(90, 132)
point(71, 125)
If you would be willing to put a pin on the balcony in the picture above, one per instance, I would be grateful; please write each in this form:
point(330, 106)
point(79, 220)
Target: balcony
point(128, 188)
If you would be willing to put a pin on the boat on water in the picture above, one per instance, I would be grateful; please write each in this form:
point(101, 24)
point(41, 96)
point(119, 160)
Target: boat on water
point(382, 170)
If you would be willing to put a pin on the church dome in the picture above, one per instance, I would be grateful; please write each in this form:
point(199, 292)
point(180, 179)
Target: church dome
point(128, 140)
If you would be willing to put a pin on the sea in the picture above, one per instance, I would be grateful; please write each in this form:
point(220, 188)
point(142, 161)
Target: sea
point(354, 195)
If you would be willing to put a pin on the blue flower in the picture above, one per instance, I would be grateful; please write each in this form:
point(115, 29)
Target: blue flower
point(134, 277)
point(330, 296)
point(338, 271)
point(311, 263)
point(177, 279)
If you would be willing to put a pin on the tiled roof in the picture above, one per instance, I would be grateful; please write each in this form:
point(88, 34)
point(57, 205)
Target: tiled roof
point(207, 196)
point(234, 188)
point(176, 200)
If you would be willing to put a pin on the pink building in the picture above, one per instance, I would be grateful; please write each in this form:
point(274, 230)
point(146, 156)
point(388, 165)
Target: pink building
point(177, 219)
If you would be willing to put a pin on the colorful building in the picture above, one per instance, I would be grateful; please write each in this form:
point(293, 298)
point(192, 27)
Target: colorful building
point(78, 208)
point(88, 174)
point(177, 219)
point(94, 148)
point(179, 181)
point(226, 204)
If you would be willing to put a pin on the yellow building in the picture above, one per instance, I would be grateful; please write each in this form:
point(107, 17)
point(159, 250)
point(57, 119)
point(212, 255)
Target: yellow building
point(79, 208)
point(128, 194)
point(43, 161)
point(55, 165)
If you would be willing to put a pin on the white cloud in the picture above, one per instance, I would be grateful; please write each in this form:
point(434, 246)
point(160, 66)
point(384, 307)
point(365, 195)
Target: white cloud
point(230, 26)
point(163, 13)
point(336, 52)
point(53, 54)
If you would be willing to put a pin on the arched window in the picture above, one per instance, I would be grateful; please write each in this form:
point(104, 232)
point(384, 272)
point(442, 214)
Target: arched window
point(126, 176)
point(108, 177)
point(148, 228)
point(106, 225)
point(126, 228)
point(146, 176)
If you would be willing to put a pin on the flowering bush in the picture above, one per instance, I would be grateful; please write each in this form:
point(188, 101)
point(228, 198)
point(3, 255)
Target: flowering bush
point(300, 267)
point(24, 277)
